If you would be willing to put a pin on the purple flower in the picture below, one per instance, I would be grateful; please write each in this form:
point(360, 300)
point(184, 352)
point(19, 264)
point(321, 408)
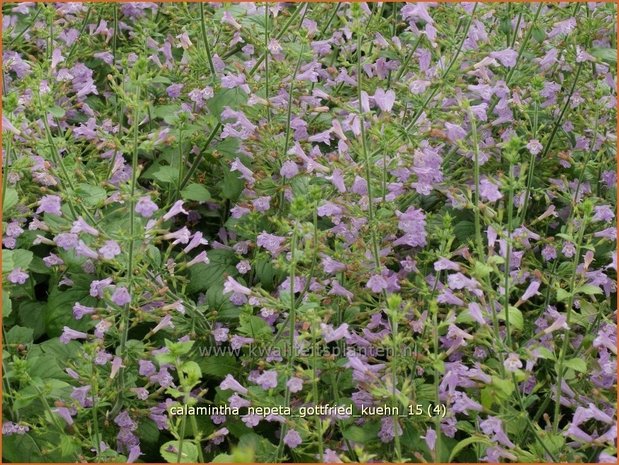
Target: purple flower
point(603, 213)
point(507, 57)
point(376, 283)
point(413, 224)
point(145, 207)
point(174, 90)
point(80, 310)
point(121, 296)
point(289, 169)
point(430, 438)
point(512, 362)
point(329, 334)
point(384, 100)
point(530, 291)
point(267, 380)
point(534, 146)
point(50, 204)
point(97, 287)
point(270, 242)
point(230, 383)
point(489, 191)
point(295, 384)
point(80, 226)
point(17, 276)
point(292, 439)
point(69, 334)
point(80, 394)
point(9, 428)
point(232, 285)
point(109, 250)
point(175, 210)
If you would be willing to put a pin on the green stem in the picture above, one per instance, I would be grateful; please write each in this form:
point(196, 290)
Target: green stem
point(205, 41)
point(266, 58)
point(478, 239)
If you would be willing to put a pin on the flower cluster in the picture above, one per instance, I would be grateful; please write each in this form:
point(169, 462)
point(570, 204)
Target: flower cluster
point(260, 207)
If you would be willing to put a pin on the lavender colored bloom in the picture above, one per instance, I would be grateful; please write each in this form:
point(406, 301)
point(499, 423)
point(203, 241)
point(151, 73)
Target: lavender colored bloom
point(9, 428)
point(384, 100)
point(230, 383)
point(530, 291)
point(534, 146)
point(109, 250)
point(294, 384)
point(267, 380)
point(145, 207)
point(329, 334)
point(270, 242)
point(50, 204)
point(489, 191)
point(80, 310)
point(506, 57)
point(176, 209)
point(603, 213)
point(376, 283)
point(512, 362)
point(289, 169)
point(413, 224)
point(121, 296)
point(174, 90)
point(80, 226)
point(292, 439)
point(69, 334)
point(232, 285)
point(17, 276)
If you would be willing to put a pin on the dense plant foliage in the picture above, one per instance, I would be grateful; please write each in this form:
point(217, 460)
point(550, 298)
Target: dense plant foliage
point(405, 209)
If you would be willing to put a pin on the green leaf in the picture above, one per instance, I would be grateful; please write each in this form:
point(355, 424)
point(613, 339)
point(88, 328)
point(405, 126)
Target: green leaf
point(588, 289)
point(10, 199)
point(467, 442)
point(232, 98)
point(196, 192)
point(21, 448)
point(516, 319)
point(91, 195)
point(576, 364)
point(189, 452)
point(231, 185)
point(18, 258)
point(57, 111)
point(563, 295)
point(219, 366)
point(7, 305)
point(18, 335)
point(362, 435)
point(60, 310)
point(166, 174)
point(203, 276)
point(607, 55)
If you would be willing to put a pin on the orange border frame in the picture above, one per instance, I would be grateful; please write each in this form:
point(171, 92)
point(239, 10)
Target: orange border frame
point(616, 2)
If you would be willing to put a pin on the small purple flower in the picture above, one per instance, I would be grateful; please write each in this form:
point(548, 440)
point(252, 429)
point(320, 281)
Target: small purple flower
point(9, 428)
point(230, 383)
point(376, 283)
point(603, 213)
point(512, 362)
point(270, 242)
point(50, 204)
point(145, 207)
point(176, 209)
point(267, 380)
point(530, 291)
point(69, 334)
point(109, 250)
point(80, 310)
point(489, 191)
point(66, 241)
point(329, 334)
point(80, 225)
point(289, 169)
point(534, 146)
point(17, 276)
point(295, 384)
point(121, 296)
point(384, 100)
point(174, 90)
point(232, 285)
point(506, 57)
point(292, 439)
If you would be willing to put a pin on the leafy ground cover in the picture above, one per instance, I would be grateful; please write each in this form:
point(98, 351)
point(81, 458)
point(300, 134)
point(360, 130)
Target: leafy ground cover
point(405, 209)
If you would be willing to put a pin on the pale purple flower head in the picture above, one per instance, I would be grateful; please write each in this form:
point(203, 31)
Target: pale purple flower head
point(384, 100)
point(69, 334)
point(145, 207)
point(289, 169)
point(121, 296)
point(506, 57)
point(230, 383)
point(17, 276)
point(109, 250)
point(512, 362)
point(270, 242)
point(267, 380)
point(294, 384)
point(50, 204)
point(292, 439)
point(489, 191)
point(176, 209)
